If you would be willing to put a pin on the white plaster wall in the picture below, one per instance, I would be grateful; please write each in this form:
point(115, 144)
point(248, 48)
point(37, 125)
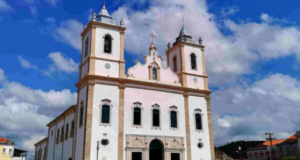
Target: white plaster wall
point(100, 33)
point(110, 151)
point(51, 142)
point(204, 152)
point(188, 50)
point(7, 150)
point(43, 146)
point(68, 144)
point(84, 70)
point(141, 71)
point(113, 71)
point(80, 131)
point(176, 53)
point(88, 35)
point(199, 83)
point(149, 98)
point(58, 147)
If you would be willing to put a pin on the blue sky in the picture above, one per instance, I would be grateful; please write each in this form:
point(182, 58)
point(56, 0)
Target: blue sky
point(252, 56)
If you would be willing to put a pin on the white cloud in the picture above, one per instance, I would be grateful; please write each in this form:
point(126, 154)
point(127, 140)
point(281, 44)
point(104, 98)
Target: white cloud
point(4, 7)
point(245, 113)
point(26, 64)
point(227, 57)
point(31, 141)
point(63, 63)
point(69, 32)
point(26, 111)
point(2, 76)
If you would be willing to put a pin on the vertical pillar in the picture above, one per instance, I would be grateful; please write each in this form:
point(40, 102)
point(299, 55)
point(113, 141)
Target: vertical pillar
point(187, 125)
point(88, 121)
point(122, 61)
point(211, 137)
point(121, 121)
point(92, 61)
point(183, 75)
point(204, 71)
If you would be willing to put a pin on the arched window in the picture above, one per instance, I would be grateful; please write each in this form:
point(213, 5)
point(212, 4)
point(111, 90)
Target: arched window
point(154, 71)
point(137, 116)
point(155, 121)
point(295, 151)
point(288, 151)
point(57, 133)
point(280, 151)
point(81, 114)
point(175, 64)
point(198, 119)
point(105, 111)
point(107, 43)
point(86, 47)
point(173, 119)
point(72, 126)
point(193, 61)
point(67, 128)
point(105, 114)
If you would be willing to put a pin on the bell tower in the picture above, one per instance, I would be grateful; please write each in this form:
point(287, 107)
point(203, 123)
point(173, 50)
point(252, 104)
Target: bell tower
point(103, 47)
point(186, 59)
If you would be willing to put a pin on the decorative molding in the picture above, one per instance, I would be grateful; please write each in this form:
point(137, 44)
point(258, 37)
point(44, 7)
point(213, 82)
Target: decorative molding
point(106, 101)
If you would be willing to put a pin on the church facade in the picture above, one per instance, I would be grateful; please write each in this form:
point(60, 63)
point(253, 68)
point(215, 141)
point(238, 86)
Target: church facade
point(150, 113)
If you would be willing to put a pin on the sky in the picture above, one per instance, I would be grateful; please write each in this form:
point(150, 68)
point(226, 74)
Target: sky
point(252, 51)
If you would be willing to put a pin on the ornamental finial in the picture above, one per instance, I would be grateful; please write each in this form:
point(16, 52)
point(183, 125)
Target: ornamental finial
point(169, 45)
point(200, 40)
point(122, 22)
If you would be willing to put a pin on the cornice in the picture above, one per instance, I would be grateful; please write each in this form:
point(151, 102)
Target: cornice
point(95, 24)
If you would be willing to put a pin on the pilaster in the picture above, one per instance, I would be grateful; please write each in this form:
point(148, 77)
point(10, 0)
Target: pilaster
point(211, 137)
point(122, 61)
point(121, 121)
point(88, 121)
point(187, 125)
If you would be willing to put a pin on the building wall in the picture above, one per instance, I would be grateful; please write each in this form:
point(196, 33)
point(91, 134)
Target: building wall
point(88, 35)
point(51, 142)
point(110, 151)
point(6, 155)
point(80, 131)
point(100, 69)
point(188, 50)
point(100, 33)
point(203, 153)
point(58, 147)
point(149, 98)
point(84, 70)
point(176, 53)
point(68, 144)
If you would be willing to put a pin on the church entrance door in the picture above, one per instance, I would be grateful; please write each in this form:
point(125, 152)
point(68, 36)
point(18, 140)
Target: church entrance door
point(156, 151)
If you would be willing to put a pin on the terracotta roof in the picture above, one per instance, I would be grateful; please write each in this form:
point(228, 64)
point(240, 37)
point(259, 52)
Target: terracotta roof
point(291, 139)
point(3, 140)
point(274, 142)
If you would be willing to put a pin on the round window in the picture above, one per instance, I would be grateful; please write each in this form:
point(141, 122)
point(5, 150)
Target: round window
point(200, 145)
point(104, 142)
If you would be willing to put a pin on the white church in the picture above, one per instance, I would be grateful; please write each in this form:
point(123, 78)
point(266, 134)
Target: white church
point(150, 113)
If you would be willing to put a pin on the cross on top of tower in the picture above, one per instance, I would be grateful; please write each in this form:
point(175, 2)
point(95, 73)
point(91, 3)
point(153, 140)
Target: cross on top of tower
point(152, 37)
point(152, 46)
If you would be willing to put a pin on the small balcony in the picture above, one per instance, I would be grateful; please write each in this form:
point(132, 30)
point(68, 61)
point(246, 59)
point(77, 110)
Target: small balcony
point(72, 134)
point(66, 135)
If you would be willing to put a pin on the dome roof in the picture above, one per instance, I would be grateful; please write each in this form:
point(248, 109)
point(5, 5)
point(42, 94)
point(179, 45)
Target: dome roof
point(104, 11)
point(184, 36)
point(104, 16)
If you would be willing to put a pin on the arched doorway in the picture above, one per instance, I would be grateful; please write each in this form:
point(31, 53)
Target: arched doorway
point(156, 151)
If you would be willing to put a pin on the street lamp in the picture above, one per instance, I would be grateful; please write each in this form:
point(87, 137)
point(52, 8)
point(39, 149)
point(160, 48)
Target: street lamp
point(239, 151)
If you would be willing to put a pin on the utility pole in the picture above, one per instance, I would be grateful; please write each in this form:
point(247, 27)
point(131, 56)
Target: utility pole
point(270, 139)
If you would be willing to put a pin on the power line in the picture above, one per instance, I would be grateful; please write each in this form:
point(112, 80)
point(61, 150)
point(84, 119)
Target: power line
point(270, 139)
